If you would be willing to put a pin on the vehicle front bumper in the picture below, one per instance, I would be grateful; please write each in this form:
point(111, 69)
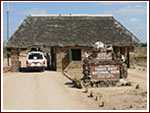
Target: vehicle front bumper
point(35, 67)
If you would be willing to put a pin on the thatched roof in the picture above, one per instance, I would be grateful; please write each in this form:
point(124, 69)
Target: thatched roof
point(71, 30)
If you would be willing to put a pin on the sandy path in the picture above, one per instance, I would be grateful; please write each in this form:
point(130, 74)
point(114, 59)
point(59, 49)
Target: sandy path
point(44, 91)
point(48, 91)
point(137, 76)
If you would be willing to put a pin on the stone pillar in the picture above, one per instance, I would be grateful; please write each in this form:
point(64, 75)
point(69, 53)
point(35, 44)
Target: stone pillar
point(132, 60)
point(14, 59)
point(131, 57)
point(59, 56)
point(62, 58)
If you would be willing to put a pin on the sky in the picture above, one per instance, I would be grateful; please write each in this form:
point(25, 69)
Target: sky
point(133, 15)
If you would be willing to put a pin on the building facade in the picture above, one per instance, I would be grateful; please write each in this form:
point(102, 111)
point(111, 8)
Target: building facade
point(68, 37)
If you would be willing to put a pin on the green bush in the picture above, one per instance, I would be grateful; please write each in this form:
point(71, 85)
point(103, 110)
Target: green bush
point(8, 53)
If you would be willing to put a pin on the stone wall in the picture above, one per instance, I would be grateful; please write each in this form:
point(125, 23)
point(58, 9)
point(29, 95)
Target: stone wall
point(63, 63)
point(14, 59)
point(62, 58)
point(132, 64)
point(131, 57)
point(127, 52)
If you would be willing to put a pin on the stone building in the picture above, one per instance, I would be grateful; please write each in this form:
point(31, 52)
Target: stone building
point(69, 36)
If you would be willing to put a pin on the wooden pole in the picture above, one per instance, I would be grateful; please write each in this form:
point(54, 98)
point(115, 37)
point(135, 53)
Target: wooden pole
point(128, 57)
point(7, 31)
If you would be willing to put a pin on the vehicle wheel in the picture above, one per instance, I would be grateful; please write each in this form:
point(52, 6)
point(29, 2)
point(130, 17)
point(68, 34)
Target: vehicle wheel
point(43, 70)
point(27, 69)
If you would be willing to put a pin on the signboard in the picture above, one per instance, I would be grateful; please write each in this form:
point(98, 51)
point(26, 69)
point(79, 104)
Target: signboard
point(104, 56)
point(101, 72)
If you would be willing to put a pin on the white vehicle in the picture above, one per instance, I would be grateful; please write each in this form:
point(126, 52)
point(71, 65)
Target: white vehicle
point(35, 60)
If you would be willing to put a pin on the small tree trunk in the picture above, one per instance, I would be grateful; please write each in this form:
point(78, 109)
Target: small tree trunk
point(7, 60)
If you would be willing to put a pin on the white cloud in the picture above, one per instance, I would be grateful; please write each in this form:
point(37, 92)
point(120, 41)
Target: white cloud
point(135, 20)
point(113, 3)
point(132, 11)
point(135, 23)
point(138, 5)
point(137, 26)
point(34, 11)
point(133, 17)
point(137, 10)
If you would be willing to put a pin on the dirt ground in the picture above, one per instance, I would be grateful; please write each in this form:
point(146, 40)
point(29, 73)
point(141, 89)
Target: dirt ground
point(42, 91)
point(51, 90)
point(125, 97)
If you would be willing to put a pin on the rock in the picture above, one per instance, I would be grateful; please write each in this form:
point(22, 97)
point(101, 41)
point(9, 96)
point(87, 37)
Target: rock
point(96, 98)
point(134, 68)
point(137, 86)
point(103, 57)
point(86, 90)
point(91, 94)
point(123, 81)
point(114, 83)
point(94, 85)
point(128, 84)
point(118, 84)
point(114, 108)
point(102, 104)
point(130, 106)
point(106, 84)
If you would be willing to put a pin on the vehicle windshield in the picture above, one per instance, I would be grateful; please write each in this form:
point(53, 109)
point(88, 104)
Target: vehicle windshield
point(35, 56)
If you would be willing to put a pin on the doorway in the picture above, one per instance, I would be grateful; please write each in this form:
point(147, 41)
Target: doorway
point(53, 58)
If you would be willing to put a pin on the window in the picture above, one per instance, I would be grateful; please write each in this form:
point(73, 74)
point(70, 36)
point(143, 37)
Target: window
point(35, 56)
point(75, 54)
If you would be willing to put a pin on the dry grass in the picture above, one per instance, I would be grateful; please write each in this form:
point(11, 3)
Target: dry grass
point(141, 56)
point(140, 52)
